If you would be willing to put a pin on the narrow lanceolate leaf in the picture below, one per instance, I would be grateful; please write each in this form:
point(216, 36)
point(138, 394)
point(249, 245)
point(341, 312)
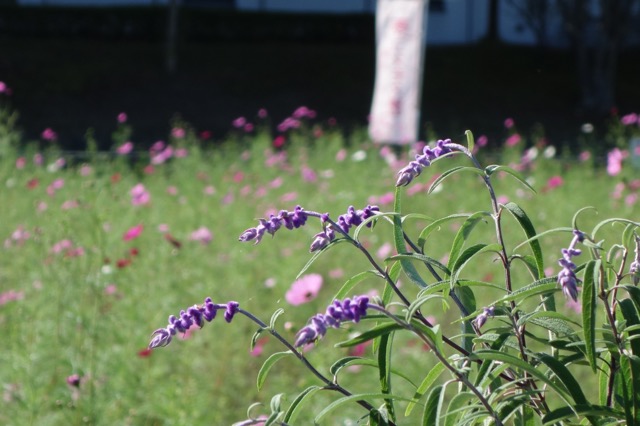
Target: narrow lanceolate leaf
point(470, 140)
point(463, 235)
point(467, 255)
point(351, 283)
point(429, 380)
point(352, 398)
point(612, 220)
point(318, 253)
point(274, 318)
point(433, 407)
point(436, 224)
point(293, 410)
point(398, 237)
point(634, 294)
point(530, 232)
point(451, 172)
point(628, 310)
point(603, 379)
point(630, 373)
point(489, 170)
point(384, 371)
point(597, 411)
point(468, 300)
point(542, 286)
point(455, 408)
point(377, 331)
point(490, 355)
point(589, 311)
point(266, 367)
point(565, 376)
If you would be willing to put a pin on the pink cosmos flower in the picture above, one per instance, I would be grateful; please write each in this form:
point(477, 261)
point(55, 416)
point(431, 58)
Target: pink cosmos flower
point(554, 182)
point(3, 87)
point(384, 251)
point(276, 183)
point(180, 152)
point(122, 118)
point(258, 349)
point(584, 156)
point(341, 155)
point(303, 111)
point(38, 159)
point(288, 197)
point(178, 132)
point(209, 190)
point(262, 113)
point(55, 186)
point(629, 119)
point(482, 141)
point(139, 195)
point(133, 233)
point(10, 296)
point(248, 128)
point(20, 163)
point(614, 161)
point(278, 141)
point(125, 148)
point(305, 289)
point(308, 175)
point(503, 199)
point(70, 204)
point(85, 170)
point(387, 198)
point(239, 122)
point(513, 140)
point(508, 123)
point(49, 135)
point(202, 234)
point(631, 199)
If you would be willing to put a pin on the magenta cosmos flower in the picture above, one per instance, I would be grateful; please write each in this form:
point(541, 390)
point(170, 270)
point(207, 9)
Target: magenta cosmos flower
point(304, 289)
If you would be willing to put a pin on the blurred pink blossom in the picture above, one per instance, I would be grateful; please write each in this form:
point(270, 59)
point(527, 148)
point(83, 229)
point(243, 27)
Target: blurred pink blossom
point(289, 196)
point(202, 234)
point(85, 170)
point(617, 191)
point(631, 199)
point(482, 141)
point(55, 186)
point(133, 233)
point(308, 175)
point(305, 289)
point(614, 161)
point(336, 273)
point(180, 152)
point(70, 204)
point(61, 246)
point(49, 135)
point(10, 296)
point(122, 117)
point(259, 346)
point(302, 112)
point(178, 132)
point(38, 159)
point(554, 182)
point(513, 140)
point(341, 155)
point(503, 199)
point(387, 198)
point(3, 87)
point(276, 183)
point(20, 163)
point(209, 190)
point(384, 251)
point(239, 122)
point(139, 195)
point(125, 148)
point(262, 113)
point(508, 123)
point(228, 198)
point(248, 128)
point(584, 156)
point(157, 147)
point(629, 119)
point(172, 190)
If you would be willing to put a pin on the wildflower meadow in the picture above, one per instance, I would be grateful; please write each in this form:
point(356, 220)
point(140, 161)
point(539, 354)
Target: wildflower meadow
point(293, 272)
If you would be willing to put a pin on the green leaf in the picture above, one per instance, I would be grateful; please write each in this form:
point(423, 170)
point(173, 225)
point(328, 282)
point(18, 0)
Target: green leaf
point(353, 398)
point(612, 220)
point(351, 283)
point(415, 305)
point(526, 417)
point(456, 406)
point(630, 382)
point(556, 415)
point(603, 379)
point(293, 410)
point(565, 377)
point(274, 318)
point(466, 256)
point(266, 367)
point(318, 253)
point(433, 407)
point(398, 237)
point(489, 170)
point(488, 354)
point(422, 238)
point(463, 235)
point(542, 286)
point(589, 311)
point(421, 258)
point(451, 172)
point(470, 141)
point(429, 380)
point(377, 331)
point(384, 370)
point(366, 362)
point(468, 300)
point(634, 294)
point(628, 310)
point(530, 232)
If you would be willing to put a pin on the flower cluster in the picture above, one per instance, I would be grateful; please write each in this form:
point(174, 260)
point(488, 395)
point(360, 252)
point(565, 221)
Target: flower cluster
point(567, 277)
point(196, 314)
point(414, 168)
point(482, 318)
point(337, 312)
point(298, 218)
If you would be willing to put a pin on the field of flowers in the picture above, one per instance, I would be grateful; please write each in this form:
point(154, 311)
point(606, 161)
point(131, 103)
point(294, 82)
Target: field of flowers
point(99, 248)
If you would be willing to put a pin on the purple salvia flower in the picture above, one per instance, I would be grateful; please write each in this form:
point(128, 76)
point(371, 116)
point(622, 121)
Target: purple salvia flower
point(320, 241)
point(567, 277)
point(196, 314)
point(337, 312)
point(482, 318)
point(414, 168)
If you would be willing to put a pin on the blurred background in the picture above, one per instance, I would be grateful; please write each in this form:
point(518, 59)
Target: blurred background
point(74, 65)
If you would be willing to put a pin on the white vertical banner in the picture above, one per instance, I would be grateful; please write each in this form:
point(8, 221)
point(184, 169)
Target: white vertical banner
point(400, 31)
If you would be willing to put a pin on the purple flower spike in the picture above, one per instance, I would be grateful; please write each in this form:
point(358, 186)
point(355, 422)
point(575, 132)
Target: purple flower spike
point(414, 168)
point(337, 312)
point(567, 277)
point(196, 314)
point(482, 318)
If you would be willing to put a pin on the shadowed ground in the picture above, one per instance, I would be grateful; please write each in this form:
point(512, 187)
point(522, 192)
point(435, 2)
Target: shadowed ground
point(74, 84)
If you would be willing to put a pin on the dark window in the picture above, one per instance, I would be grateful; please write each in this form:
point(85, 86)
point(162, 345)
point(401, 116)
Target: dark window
point(437, 6)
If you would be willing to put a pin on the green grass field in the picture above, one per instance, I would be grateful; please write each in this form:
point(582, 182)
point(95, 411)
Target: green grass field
point(76, 297)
